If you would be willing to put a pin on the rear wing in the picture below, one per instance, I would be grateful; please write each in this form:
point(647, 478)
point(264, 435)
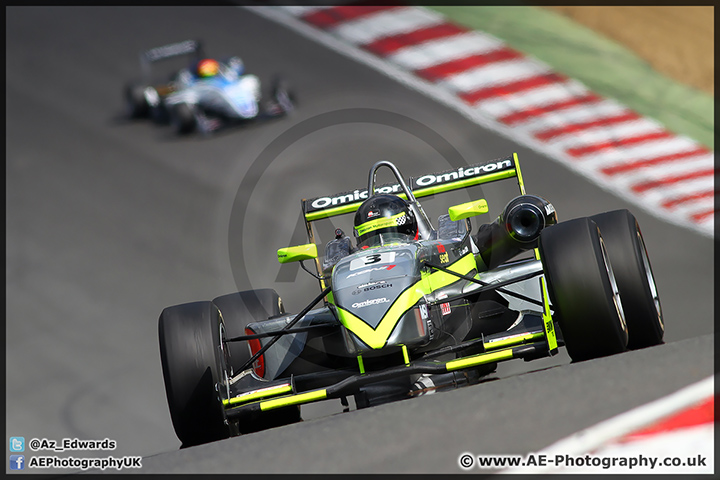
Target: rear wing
point(172, 50)
point(440, 182)
point(423, 186)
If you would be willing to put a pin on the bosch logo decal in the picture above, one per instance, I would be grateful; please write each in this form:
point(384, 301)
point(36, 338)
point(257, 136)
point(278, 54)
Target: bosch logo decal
point(368, 287)
point(366, 303)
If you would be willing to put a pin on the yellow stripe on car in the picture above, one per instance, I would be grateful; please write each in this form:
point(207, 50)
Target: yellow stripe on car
point(306, 397)
point(266, 392)
point(377, 337)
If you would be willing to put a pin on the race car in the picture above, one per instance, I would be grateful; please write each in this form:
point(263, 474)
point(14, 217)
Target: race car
point(206, 95)
point(407, 307)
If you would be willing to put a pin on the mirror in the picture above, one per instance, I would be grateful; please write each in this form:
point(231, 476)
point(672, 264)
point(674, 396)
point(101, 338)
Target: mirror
point(297, 253)
point(466, 210)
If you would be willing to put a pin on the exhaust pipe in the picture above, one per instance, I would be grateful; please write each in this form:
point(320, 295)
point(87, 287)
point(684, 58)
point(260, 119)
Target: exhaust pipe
point(516, 229)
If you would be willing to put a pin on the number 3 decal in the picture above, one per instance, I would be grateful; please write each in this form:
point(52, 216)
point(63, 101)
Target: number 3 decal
point(370, 259)
point(373, 259)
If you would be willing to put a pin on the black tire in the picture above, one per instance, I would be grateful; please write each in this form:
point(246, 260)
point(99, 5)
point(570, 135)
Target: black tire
point(282, 94)
point(240, 308)
point(631, 264)
point(183, 118)
point(160, 114)
point(582, 288)
point(192, 357)
point(136, 105)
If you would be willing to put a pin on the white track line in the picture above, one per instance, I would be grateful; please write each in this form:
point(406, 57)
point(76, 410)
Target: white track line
point(591, 438)
point(437, 51)
point(668, 146)
point(536, 98)
point(572, 115)
point(384, 24)
point(494, 74)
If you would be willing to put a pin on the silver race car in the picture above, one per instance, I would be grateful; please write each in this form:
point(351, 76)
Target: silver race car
point(407, 307)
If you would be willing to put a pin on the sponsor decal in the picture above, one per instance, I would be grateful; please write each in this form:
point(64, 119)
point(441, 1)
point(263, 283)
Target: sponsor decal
point(188, 46)
point(369, 287)
point(374, 301)
point(424, 316)
point(445, 307)
point(444, 257)
point(461, 173)
point(339, 199)
point(386, 267)
point(380, 223)
point(433, 179)
point(373, 283)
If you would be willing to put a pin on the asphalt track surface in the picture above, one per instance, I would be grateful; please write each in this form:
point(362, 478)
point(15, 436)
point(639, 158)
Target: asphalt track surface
point(109, 221)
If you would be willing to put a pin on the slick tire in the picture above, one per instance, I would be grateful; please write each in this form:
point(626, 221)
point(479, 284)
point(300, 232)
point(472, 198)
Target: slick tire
point(238, 310)
point(183, 119)
point(583, 291)
point(241, 308)
point(631, 264)
point(136, 105)
point(193, 365)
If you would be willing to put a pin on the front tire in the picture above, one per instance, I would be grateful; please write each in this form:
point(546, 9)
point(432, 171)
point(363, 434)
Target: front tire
point(631, 264)
point(193, 365)
point(183, 119)
point(240, 308)
point(583, 290)
point(136, 105)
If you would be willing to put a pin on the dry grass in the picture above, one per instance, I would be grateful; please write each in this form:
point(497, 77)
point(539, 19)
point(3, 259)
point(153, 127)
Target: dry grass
point(677, 41)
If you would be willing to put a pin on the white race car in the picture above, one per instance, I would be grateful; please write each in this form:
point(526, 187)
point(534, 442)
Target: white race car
point(205, 96)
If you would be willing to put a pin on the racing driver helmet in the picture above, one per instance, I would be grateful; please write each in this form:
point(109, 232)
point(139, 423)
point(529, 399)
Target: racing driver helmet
point(208, 68)
point(384, 219)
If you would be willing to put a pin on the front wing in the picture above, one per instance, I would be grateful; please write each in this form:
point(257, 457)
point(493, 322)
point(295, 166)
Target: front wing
point(495, 348)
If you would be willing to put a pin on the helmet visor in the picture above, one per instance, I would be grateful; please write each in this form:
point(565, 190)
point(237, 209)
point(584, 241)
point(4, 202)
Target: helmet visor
point(382, 230)
point(385, 239)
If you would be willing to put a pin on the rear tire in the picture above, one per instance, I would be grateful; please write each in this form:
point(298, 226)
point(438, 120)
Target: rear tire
point(582, 288)
point(631, 264)
point(193, 364)
point(283, 95)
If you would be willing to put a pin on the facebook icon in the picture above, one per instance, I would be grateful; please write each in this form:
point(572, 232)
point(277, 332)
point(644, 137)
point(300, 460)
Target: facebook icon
point(17, 462)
